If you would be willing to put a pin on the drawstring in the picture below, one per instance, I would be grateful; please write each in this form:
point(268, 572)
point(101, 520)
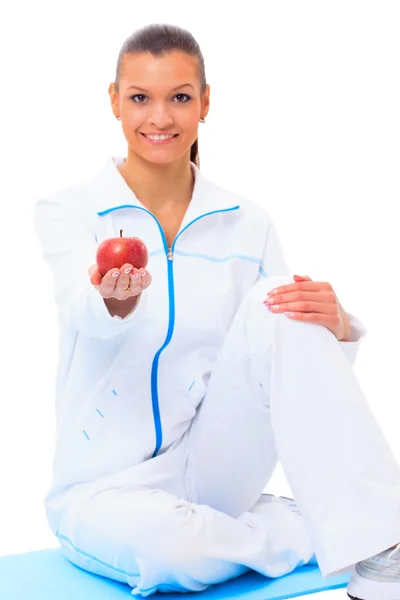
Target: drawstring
point(397, 549)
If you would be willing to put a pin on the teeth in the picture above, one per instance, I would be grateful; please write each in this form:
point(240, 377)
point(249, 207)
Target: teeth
point(159, 137)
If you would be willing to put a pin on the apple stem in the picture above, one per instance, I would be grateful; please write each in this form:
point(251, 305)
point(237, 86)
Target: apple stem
point(120, 233)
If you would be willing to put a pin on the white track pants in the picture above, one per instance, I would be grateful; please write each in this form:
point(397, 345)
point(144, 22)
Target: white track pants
point(281, 389)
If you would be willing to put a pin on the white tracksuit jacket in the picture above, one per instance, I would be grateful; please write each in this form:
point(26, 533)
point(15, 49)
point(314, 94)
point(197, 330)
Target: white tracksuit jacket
point(127, 389)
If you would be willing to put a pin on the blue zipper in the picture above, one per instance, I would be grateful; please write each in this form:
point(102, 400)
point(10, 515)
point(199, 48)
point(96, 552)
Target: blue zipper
point(169, 253)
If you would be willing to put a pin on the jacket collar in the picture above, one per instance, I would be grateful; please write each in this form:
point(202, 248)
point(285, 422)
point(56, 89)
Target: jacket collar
point(111, 192)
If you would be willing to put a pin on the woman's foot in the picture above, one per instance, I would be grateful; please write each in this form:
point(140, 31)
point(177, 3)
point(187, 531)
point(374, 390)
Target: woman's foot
point(377, 577)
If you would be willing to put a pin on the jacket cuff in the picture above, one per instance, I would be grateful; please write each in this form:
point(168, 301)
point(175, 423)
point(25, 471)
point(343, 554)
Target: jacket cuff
point(358, 332)
point(113, 325)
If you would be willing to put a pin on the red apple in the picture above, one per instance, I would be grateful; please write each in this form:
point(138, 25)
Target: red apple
point(115, 252)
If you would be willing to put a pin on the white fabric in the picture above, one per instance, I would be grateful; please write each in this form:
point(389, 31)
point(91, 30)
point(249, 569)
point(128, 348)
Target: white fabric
point(170, 422)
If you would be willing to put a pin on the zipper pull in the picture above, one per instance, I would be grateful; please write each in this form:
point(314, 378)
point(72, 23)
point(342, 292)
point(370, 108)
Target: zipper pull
point(170, 255)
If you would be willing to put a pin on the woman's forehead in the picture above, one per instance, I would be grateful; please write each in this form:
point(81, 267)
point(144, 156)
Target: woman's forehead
point(174, 69)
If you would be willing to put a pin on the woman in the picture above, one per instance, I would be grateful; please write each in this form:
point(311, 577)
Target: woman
point(179, 386)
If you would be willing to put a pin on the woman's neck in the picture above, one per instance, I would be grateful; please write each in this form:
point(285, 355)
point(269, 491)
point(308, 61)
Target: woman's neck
point(159, 187)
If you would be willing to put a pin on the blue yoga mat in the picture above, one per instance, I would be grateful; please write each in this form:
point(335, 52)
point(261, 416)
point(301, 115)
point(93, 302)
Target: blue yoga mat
point(48, 575)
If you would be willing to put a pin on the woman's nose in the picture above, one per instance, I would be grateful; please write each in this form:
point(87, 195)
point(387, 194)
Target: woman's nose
point(160, 116)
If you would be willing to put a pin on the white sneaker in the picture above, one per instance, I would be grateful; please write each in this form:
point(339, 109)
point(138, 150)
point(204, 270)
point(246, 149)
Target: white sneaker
point(377, 578)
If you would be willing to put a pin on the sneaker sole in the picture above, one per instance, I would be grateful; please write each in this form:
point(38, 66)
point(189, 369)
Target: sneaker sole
point(361, 588)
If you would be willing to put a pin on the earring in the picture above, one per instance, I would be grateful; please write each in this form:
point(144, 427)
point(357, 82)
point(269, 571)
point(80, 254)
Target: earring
point(119, 118)
point(202, 120)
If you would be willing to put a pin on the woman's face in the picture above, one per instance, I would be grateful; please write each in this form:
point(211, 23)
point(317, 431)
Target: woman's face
point(153, 99)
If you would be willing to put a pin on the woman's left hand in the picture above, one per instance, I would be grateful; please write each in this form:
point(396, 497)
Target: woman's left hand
point(311, 301)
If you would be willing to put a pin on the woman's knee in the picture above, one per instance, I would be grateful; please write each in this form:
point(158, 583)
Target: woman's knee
point(253, 317)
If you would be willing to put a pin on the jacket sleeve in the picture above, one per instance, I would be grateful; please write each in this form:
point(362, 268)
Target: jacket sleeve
point(358, 333)
point(274, 263)
point(68, 243)
point(273, 260)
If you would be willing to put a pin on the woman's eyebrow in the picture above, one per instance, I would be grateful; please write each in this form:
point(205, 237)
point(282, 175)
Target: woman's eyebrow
point(143, 90)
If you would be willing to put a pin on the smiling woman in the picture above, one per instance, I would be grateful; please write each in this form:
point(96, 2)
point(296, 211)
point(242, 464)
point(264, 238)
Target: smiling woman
point(173, 410)
point(162, 62)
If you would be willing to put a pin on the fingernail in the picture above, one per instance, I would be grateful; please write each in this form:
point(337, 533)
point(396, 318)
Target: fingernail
point(115, 274)
point(135, 275)
point(144, 273)
point(127, 271)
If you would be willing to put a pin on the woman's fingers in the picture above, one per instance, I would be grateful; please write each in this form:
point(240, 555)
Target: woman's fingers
point(107, 287)
point(120, 283)
point(145, 278)
point(135, 282)
point(123, 281)
point(140, 280)
point(95, 276)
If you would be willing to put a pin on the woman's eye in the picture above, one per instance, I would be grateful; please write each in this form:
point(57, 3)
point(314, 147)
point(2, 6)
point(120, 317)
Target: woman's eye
point(183, 95)
point(137, 96)
point(143, 96)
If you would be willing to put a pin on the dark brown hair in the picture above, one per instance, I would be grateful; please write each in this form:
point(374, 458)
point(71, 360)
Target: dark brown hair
point(160, 39)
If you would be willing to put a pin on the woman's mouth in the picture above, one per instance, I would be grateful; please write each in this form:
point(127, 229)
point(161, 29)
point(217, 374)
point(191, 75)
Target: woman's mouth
point(160, 139)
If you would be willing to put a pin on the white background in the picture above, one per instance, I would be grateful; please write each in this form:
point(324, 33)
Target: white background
point(304, 119)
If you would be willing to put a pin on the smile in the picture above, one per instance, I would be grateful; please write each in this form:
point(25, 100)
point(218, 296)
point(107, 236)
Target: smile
point(160, 139)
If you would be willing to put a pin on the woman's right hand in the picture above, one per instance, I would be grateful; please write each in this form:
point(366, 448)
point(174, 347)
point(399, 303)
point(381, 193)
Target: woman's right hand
point(110, 286)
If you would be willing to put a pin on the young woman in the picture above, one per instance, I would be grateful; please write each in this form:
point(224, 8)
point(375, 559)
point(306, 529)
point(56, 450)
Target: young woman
point(179, 386)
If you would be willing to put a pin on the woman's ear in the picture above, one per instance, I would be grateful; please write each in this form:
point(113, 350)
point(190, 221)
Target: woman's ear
point(114, 98)
point(205, 105)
